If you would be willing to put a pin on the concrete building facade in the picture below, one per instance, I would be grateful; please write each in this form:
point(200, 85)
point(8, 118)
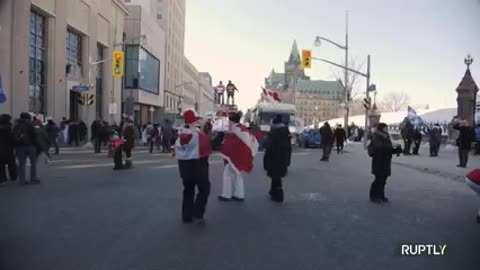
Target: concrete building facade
point(315, 100)
point(206, 94)
point(145, 62)
point(47, 51)
point(191, 91)
point(171, 16)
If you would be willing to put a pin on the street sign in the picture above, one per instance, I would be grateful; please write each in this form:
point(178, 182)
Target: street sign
point(80, 88)
point(372, 88)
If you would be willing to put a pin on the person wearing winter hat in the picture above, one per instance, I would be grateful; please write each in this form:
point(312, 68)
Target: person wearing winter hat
point(278, 152)
point(26, 147)
point(192, 149)
point(381, 150)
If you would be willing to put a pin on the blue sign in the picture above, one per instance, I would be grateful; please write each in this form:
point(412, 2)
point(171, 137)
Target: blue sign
point(80, 88)
point(3, 98)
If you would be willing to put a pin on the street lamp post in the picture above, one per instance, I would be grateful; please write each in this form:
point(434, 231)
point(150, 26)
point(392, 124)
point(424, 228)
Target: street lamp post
point(318, 42)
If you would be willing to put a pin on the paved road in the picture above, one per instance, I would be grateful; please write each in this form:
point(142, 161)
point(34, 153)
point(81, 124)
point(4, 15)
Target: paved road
point(87, 216)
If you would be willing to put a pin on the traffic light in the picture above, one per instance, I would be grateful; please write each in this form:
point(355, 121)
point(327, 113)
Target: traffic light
point(367, 103)
point(81, 99)
point(306, 59)
point(90, 99)
point(118, 63)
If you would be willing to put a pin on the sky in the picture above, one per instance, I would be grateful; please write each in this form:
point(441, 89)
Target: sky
point(416, 46)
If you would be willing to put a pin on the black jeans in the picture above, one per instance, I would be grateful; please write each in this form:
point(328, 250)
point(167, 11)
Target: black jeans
point(53, 142)
point(98, 144)
point(12, 169)
point(326, 151)
point(340, 147)
point(117, 158)
point(463, 156)
point(377, 189)
point(416, 147)
point(194, 206)
point(407, 145)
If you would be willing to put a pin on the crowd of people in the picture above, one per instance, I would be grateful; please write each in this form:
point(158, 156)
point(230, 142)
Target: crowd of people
point(468, 135)
point(25, 138)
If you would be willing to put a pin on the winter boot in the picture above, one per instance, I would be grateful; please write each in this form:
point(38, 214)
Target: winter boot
point(277, 195)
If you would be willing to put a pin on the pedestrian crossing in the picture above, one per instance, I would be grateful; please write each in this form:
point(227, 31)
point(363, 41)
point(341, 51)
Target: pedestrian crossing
point(77, 159)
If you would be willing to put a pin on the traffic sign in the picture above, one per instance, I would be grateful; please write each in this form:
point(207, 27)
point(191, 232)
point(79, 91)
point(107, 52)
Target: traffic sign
point(80, 88)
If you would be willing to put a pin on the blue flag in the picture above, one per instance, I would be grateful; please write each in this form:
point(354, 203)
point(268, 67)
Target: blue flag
point(3, 98)
point(416, 120)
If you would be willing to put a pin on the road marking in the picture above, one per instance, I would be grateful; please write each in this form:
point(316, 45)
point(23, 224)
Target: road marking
point(98, 165)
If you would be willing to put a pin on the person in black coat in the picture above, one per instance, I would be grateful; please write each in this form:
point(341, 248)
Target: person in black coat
point(464, 141)
point(26, 144)
point(7, 155)
point(381, 150)
point(278, 152)
point(340, 137)
point(435, 137)
point(406, 132)
point(52, 132)
point(417, 140)
point(327, 141)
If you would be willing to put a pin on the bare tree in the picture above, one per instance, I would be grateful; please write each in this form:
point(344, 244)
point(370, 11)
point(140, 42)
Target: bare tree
point(394, 102)
point(353, 78)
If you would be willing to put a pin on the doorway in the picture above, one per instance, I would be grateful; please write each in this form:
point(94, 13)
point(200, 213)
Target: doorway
point(74, 96)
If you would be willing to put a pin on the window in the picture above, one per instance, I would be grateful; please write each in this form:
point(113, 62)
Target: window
point(74, 49)
point(142, 69)
point(36, 93)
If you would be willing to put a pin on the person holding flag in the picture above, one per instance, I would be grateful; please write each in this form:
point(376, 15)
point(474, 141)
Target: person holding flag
point(192, 150)
point(238, 150)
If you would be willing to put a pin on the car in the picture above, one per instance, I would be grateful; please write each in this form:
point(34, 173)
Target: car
point(310, 138)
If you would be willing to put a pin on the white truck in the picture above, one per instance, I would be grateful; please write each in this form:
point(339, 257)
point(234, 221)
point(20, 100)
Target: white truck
point(263, 113)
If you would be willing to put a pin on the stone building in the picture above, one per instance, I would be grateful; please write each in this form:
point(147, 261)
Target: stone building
point(48, 51)
point(315, 100)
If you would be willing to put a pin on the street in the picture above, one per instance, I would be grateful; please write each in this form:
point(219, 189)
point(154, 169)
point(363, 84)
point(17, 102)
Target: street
point(86, 216)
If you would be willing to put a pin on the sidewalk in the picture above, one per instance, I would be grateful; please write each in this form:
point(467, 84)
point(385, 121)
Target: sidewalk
point(445, 165)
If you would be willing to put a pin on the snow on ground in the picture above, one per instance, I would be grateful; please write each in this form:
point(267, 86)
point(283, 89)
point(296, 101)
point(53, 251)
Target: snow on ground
point(439, 115)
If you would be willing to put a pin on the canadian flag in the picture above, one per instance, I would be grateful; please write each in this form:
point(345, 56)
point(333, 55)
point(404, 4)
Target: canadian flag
point(192, 144)
point(239, 148)
point(473, 180)
point(271, 95)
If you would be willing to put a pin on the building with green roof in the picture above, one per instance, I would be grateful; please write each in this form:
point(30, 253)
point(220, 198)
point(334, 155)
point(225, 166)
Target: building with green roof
point(315, 100)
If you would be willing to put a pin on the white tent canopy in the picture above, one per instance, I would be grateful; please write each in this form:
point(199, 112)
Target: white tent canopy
point(391, 118)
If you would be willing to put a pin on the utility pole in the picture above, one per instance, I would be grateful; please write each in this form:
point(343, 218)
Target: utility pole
point(367, 130)
point(347, 91)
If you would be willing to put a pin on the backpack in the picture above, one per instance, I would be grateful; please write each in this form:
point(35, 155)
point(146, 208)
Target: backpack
point(20, 134)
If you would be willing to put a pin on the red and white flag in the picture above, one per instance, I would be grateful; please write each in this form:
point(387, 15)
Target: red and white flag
point(192, 144)
point(271, 95)
point(239, 148)
point(473, 180)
